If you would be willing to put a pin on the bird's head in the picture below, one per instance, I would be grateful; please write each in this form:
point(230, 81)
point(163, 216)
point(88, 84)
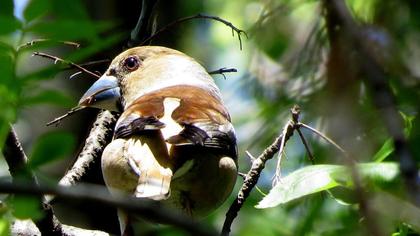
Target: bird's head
point(140, 70)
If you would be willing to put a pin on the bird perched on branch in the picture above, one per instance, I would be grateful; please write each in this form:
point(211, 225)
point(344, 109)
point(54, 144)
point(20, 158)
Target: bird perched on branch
point(174, 141)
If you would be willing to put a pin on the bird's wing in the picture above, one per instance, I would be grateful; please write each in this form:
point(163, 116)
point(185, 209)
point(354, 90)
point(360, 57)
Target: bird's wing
point(200, 117)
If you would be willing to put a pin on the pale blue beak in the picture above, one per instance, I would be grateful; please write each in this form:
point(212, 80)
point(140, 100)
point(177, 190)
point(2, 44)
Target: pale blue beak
point(103, 94)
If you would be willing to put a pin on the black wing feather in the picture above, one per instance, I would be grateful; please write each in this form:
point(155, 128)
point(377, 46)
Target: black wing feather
point(137, 126)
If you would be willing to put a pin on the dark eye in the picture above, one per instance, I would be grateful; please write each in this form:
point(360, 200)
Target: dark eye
point(131, 63)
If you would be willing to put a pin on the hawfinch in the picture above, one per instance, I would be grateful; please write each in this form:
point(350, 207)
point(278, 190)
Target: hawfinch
point(174, 141)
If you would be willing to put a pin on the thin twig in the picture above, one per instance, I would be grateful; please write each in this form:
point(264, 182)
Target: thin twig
point(289, 125)
point(238, 31)
point(72, 76)
point(253, 174)
point(72, 64)
point(250, 156)
point(323, 136)
point(37, 41)
point(57, 120)
point(305, 143)
point(222, 71)
point(93, 63)
point(149, 209)
point(242, 175)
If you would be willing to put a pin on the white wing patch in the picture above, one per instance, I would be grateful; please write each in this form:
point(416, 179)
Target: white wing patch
point(171, 127)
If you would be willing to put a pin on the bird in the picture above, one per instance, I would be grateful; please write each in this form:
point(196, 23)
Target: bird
point(174, 141)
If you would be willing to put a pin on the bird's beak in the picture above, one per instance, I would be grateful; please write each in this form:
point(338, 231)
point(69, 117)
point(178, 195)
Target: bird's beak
point(104, 94)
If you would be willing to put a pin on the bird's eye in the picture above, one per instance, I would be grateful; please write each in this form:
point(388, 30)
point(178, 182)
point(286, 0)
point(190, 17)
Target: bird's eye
point(131, 63)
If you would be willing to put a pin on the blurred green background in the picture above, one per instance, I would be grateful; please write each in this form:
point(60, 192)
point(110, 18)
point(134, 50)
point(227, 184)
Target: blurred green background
point(284, 61)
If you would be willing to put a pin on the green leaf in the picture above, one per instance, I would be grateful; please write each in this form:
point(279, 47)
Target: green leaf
point(9, 24)
point(25, 207)
point(6, 49)
point(6, 8)
point(36, 8)
point(6, 68)
point(363, 9)
point(50, 147)
point(70, 9)
point(49, 97)
point(70, 30)
point(386, 150)
point(316, 178)
point(4, 227)
point(408, 123)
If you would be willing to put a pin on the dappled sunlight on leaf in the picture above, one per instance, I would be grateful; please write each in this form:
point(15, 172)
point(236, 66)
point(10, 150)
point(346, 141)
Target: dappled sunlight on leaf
point(316, 178)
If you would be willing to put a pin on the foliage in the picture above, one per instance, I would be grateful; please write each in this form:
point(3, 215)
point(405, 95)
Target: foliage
point(24, 85)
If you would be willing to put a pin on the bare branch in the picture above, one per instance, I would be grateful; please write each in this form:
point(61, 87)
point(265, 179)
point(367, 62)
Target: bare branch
point(38, 41)
point(308, 150)
point(66, 62)
point(324, 137)
point(57, 120)
point(289, 125)
point(250, 156)
point(91, 63)
point(236, 30)
point(222, 71)
point(253, 174)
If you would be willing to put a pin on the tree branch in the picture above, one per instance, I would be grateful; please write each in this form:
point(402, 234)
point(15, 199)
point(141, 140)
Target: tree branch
point(17, 162)
point(38, 41)
point(258, 165)
point(146, 208)
point(57, 120)
point(308, 150)
point(66, 62)
point(99, 136)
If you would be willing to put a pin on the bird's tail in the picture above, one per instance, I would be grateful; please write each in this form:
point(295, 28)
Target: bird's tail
point(148, 158)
